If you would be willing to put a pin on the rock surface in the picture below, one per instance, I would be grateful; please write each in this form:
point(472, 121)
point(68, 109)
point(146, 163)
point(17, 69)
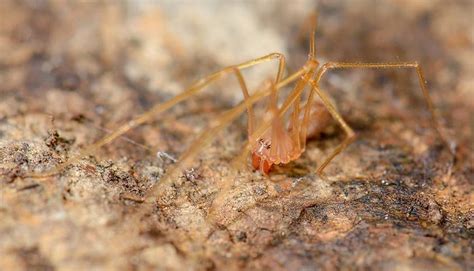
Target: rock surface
point(72, 71)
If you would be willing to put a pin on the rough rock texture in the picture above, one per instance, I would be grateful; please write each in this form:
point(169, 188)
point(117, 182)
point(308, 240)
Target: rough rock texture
point(71, 71)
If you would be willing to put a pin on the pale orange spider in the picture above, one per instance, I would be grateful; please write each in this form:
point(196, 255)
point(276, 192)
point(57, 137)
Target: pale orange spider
point(272, 142)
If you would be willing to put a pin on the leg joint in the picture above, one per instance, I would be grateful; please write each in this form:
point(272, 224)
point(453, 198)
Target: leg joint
point(351, 136)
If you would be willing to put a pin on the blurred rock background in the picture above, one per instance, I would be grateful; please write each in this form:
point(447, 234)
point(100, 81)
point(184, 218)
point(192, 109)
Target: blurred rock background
point(71, 71)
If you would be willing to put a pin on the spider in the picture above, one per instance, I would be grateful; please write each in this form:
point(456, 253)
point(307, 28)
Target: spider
point(272, 142)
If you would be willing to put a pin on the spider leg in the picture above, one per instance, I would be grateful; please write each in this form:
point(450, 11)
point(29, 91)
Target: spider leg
point(295, 124)
point(303, 126)
point(245, 92)
point(161, 107)
point(395, 65)
point(389, 65)
point(337, 116)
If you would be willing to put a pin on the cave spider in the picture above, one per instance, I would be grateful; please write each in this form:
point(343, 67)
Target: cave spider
point(272, 142)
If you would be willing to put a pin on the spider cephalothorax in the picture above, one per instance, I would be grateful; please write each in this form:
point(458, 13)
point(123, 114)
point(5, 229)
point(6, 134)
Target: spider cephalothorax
point(290, 140)
point(261, 154)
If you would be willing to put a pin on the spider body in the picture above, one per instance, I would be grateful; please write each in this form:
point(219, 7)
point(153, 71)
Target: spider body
point(265, 153)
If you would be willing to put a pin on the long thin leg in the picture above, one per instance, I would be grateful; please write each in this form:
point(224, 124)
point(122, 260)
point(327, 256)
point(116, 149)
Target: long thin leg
point(159, 108)
point(393, 65)
point(347, 129)
point(299, 127)
point(350, 134)
point(296, 124)
point(303, 128)
point(245, 92)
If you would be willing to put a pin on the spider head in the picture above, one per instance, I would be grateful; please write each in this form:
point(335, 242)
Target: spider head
point(260, 156)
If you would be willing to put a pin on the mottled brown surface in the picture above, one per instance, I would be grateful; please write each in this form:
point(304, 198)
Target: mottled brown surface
point(393, 201)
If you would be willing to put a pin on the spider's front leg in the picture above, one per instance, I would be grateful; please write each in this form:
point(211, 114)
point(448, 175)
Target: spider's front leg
point(395, 65)
point(351, 136)
point(355, 65)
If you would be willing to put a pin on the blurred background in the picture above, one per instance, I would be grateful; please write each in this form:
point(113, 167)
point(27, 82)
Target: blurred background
point(71, 71)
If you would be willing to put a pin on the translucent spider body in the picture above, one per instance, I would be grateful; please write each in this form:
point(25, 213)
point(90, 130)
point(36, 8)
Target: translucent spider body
point(279, 144)
point(272, 142)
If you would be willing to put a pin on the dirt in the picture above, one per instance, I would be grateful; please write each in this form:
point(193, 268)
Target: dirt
point(72, 72)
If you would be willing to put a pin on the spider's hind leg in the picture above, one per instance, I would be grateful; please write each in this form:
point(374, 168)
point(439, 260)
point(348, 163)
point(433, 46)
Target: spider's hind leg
point(396, 65)
point(351, 136)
